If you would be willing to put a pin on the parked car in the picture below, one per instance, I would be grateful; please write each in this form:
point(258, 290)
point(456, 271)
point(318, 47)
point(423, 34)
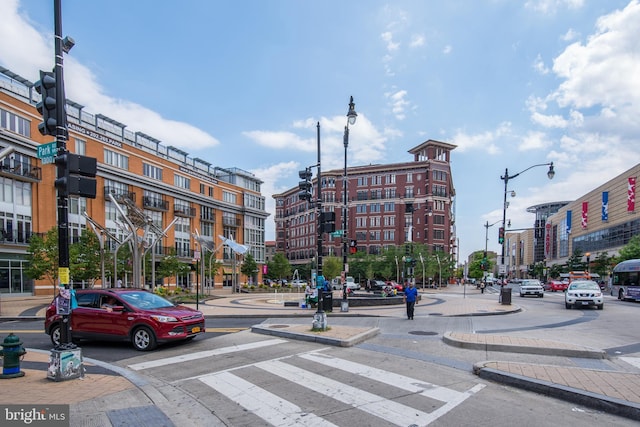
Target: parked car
point(135, 315)
point(556, 285)
point(584, 293)
point(531, 287)
point(397, 286)
point(297, 283)
point(351, 284)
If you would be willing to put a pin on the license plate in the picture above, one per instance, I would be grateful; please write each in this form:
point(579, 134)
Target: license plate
point(195, 329)
point(584, 302)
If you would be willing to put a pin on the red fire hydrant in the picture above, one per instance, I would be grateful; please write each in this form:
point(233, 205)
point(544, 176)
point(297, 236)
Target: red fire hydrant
point(12, 351)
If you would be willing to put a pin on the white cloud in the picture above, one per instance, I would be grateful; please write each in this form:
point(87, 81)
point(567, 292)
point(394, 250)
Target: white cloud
point(398, 103)
point(570, 35)
point(447, 49)
point(486, 141)
point(417, 40)
point(535, 141)
point(539, 65)
point(549, 121)
point(551, 6)
point(387, 37)
point(35, 52)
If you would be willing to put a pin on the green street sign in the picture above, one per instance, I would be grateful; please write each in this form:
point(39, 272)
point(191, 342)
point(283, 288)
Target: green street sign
point(337, 233)
point(47, 152)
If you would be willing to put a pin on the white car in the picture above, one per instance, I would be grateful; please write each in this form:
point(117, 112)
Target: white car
point(351, 284)
point(298, 283)
point(531, 287)
point(583, 293)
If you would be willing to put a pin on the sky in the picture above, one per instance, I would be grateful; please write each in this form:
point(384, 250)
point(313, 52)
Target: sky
point(242, 83)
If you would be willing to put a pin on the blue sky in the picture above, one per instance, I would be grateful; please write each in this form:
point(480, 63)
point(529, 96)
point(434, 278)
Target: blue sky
point(242, 83)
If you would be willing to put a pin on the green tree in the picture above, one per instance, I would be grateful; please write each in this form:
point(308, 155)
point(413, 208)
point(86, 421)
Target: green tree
point(249, 267)
point(84, 259)
point(602, 265)
point(331, 267)
point(475, 266)
point(170, 265)
point(279, 267)
point(631, 250)
point(43, 257)
point(575, 263)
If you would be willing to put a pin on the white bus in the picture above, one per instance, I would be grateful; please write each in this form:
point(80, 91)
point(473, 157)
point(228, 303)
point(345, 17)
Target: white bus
point(626, 280)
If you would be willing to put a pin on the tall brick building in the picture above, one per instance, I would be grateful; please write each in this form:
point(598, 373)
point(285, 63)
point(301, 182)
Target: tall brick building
point(385, 203)
point(171, 189)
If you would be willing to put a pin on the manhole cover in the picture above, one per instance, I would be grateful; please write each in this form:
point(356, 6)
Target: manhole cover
point(278, 326)
point(423, 333)
point(435, 314)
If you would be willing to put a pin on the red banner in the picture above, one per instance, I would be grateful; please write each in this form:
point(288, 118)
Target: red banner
point(631, 194)
point(585, 214)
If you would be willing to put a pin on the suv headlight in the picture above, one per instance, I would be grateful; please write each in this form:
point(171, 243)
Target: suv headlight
point(164, 319)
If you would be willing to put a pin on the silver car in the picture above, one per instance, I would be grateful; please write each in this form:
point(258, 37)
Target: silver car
point(584, 293)
point(531, 287)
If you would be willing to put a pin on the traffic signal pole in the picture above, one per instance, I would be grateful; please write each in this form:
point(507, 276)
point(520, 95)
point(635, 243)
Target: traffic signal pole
point(63, 208)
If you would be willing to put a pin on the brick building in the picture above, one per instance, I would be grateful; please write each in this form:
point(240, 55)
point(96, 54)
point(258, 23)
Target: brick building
point(171, 189)
point(385, 203)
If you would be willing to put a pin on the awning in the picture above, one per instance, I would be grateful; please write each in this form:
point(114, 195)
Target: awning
point(227, 271)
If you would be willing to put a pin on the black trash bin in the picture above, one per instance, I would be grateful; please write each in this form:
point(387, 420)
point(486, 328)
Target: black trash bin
point(327, 301)
point(505, 295)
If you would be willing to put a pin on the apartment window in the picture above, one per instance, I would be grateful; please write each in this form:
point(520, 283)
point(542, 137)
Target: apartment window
point(229, 197)
point(409, 177)
point(363, 181)
point(116, 159)
point(374, 207)
point(438, 234)
point(377, 180)
point(375, 221)
point(361, 222)
point(77, 205)
point(181, 181)
point(389, 207)
point(408, 192)
point(152, 171)
point(374, 235)
point(389, 193)
point(389, 221)
point(439, 190)
point(81, 146)
point(361, 208)
point(6, 190)
point(15, 123)
point(438, 219)
point(22, 193)
point(390, 178)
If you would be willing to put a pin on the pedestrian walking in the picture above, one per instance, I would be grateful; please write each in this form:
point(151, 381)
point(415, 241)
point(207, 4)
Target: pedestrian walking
point(410, 299)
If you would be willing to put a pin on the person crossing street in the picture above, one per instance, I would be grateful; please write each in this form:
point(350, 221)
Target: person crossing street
point(410, 299)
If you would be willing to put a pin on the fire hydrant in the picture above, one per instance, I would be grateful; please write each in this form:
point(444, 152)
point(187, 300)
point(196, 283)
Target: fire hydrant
point(11, 352)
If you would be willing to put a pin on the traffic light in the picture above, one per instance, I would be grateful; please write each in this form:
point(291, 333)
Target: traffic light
point(328, 221)
point(353, 247)
point(46, 87)
point(79, 175)
point(501, 235)
point(305, 186)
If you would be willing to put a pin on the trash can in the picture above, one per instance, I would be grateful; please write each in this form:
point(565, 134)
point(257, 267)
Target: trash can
point(505, 295)
point(327, 301)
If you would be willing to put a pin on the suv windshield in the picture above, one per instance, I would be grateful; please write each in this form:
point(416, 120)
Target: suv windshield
point(145, 300)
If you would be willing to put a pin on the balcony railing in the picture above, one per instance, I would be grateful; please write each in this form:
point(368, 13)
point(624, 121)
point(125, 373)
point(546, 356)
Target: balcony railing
point(119, 193)
point(155, 203)
point(185, 211)
point(21, 170)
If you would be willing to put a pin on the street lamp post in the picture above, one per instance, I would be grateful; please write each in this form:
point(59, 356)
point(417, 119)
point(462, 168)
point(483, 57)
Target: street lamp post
point(320, 318)
point(550, 173)
point(422, 261)
point(351, 119)
point(486, 238)
point(397, 271)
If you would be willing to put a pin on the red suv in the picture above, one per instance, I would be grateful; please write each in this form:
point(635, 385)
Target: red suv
point(135, 315)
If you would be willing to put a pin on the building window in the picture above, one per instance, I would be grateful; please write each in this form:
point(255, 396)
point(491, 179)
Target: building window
point(363, 181)
point(15, 123)
point(361, 209)
point(116, 159)
point(182, 181)
point(374, 207)
point(390, 178)
point(81, 146)
point(377, 180)
point(389, 207)
point(229, 197)
point(152, 171)
point(438, 234)
point(409, 177)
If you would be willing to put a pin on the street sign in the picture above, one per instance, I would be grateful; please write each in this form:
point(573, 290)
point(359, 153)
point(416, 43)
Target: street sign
point(337, 233)
point(47, 152)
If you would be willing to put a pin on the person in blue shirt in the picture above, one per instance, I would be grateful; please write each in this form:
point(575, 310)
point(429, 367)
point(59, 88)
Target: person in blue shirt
point(410, 298)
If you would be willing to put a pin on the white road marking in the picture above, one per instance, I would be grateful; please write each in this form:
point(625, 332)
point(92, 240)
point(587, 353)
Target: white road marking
point(203, 354)
point(378, 406)
point(261, 402)
point(635, 361)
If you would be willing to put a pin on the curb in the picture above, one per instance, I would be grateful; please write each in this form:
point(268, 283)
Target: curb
point(317, 338)
point(548, 349)
point(607, 404)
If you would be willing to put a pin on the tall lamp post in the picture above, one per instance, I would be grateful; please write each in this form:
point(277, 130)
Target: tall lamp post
point(486, 239)
point(351, 119)
point(550, 173)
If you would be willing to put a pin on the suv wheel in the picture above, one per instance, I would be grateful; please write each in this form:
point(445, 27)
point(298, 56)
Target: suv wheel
point(143, 339)
point(567, 305)
point(55, 334)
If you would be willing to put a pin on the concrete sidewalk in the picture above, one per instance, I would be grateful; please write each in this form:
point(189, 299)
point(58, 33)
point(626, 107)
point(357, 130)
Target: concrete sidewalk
point(107, 389)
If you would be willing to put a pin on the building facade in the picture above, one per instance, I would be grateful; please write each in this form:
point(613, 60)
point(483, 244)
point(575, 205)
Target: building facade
point(601, 221)
point(170, 190)
point(387, 205)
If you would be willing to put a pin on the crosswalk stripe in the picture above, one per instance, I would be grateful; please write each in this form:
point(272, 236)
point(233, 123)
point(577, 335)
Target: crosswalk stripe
point(261, 402)
point(635, 361)
point(203, 354)
point(433, 391)
point(388, 410)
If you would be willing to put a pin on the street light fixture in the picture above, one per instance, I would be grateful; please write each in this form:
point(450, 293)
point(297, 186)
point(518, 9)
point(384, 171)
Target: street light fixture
point(550, 174)
point(351, 119)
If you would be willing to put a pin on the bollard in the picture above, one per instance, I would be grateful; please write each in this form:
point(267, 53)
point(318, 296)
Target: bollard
point(12, 351)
